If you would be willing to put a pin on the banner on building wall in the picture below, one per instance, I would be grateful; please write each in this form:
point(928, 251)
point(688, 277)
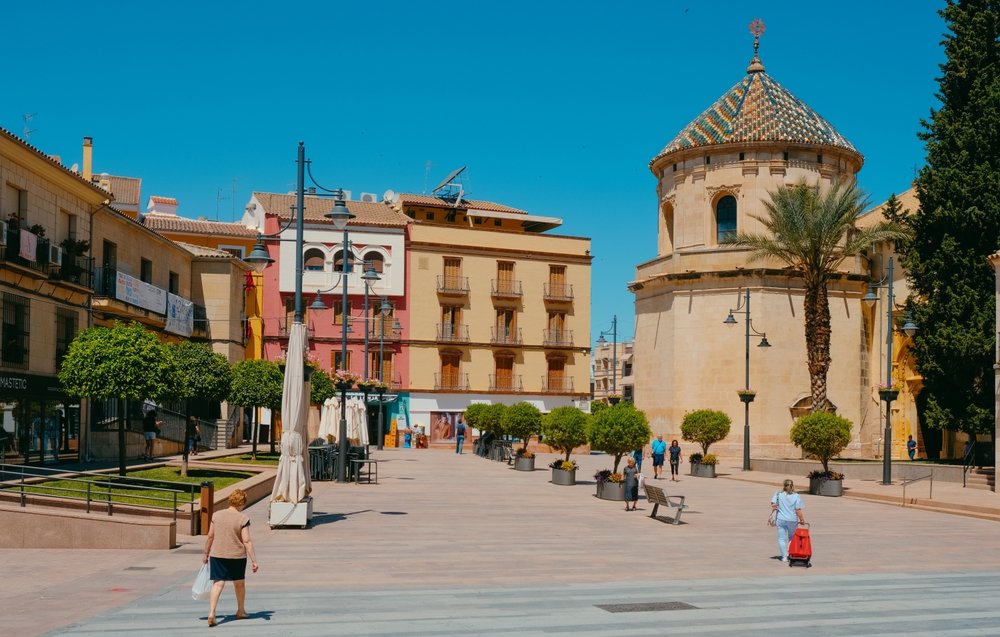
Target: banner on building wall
point(180, 315)
point(443, 425)
point(141, 294)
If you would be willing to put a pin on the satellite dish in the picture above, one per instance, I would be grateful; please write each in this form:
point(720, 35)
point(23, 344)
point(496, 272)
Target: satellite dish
point(447, 180)
point(389, 195)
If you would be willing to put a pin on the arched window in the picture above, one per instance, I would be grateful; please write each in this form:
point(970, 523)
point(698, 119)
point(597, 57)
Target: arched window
point(725, 219)
point(376, 260)
point(338, 261)
point(313, 259)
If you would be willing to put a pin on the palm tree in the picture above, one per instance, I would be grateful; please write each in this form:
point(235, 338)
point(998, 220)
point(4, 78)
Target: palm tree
point(813, 232)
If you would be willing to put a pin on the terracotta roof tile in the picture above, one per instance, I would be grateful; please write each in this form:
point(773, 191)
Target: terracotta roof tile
point(172, 223)
point(368, 213)
point(466, 204)
point(202, 251)
point(125, 189)
point(757, 109)
point(17, 140)
point(167, 200)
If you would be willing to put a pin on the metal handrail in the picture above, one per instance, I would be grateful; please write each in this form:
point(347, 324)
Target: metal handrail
point(24, 477)
point(968, 461)
point(906, 481)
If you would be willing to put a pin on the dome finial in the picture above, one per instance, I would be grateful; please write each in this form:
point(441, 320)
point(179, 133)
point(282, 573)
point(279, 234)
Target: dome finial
point(757, 29)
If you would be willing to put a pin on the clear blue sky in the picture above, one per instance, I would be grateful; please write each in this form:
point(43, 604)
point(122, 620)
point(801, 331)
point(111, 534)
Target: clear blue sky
point(555, 107)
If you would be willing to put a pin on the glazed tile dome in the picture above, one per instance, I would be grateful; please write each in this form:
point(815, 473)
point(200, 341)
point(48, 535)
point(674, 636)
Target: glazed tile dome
point(757, 109)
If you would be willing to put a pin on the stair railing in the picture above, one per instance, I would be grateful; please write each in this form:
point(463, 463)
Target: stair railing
point(906, 481)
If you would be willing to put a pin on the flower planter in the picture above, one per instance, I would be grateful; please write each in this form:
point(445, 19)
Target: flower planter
point(344, 386)
point(703, 470)
point(564, 478)
point(611, 491)
point(524, 464)
point(888, 395)
point(822, 486)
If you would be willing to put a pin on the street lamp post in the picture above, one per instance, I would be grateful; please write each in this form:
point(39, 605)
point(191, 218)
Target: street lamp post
point(614, 352)
point(383, 308)
point(888, 393)
point(340, 215)
point(746, 396)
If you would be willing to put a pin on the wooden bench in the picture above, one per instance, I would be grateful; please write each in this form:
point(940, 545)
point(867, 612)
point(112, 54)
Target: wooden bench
point(658, 497)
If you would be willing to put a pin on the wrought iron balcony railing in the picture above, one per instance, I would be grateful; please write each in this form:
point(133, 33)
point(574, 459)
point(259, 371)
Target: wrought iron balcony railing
point(505, 289)
point(557, 385)
point(451, 382)
point(505, 335)
point(452, 285)
point(557, 338)
point(452, 333)
point(559, 292)
point(506, 382)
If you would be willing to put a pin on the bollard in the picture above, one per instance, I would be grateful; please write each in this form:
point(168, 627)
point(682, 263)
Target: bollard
point(207, 505)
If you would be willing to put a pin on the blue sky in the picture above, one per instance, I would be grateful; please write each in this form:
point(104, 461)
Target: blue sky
point(556, 108)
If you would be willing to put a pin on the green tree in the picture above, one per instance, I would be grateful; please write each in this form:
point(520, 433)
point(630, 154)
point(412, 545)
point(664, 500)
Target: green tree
point(821, 436)
point(596, 406)
point(705, 427)
point(489, 418)
point(957, 226)
point(257, 383)
point(206, 374)
point(320, 385)
point(813, 232)
point(126, 362)
point(474, 414)
point(522, 420)
point(565, 429)
point(618, 430)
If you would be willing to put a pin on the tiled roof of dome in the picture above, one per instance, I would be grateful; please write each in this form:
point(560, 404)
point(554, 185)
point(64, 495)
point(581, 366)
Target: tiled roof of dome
point(757, 109)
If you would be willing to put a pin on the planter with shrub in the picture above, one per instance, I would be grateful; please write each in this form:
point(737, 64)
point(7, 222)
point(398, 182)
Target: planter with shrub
point(610, 486)
point(822, 435)
point(565, 428)
point(704, 426)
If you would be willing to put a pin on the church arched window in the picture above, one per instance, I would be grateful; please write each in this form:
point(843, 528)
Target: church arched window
point(725, 218)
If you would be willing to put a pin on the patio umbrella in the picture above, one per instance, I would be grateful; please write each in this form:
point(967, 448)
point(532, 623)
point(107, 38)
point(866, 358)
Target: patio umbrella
point(329, 418)
point(361, 421)
point(291, 484)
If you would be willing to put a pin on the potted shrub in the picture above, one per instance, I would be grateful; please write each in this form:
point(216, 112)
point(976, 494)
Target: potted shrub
point(522, 420)
point(617, 430)
point(822, 435)
point(343, 380)
point(73, 249)
point(704, 426)
point(610, 485)
point(565, 429)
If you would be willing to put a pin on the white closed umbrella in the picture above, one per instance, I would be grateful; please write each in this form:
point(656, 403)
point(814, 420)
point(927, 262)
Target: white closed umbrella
point(292, 483)
point(329, 418)
point(361, 421)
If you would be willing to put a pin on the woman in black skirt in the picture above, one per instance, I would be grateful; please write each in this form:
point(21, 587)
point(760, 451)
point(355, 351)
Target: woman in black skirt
point(631, 484)
point(228, 545)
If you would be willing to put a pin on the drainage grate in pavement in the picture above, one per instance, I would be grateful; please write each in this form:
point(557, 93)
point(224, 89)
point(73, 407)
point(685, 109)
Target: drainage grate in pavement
point(140, 568)
point(640, 608)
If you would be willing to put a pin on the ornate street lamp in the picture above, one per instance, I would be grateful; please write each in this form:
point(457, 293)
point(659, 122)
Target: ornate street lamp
point(746, 394)
point(890, 392)
point(601, 342)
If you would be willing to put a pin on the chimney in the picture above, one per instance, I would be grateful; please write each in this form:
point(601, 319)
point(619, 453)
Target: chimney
point(88, 158)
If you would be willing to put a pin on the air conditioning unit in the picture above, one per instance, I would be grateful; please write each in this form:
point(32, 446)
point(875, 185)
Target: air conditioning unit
point(55, 256)
point(347, 195)
point(3, 233)
point(370, 197)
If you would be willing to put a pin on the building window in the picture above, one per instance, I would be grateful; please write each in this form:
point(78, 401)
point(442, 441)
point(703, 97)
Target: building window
point(555, 375)
point(373, 366)
point(376, 261)
point(725, 219)
point(174, 283)
point(146, 271)
point(741, 156)
point(66, 329)
point(498, 222)
point(338, 261)
point(313, 259)
point(503, 379)
point(338, 310)
point(450, 366)
point(505, 278)
point(15, 330)
point(785, 155)
point(819, 158)
point(236, 251)
point(708, 159)
point(336, 358)
point(430, 216)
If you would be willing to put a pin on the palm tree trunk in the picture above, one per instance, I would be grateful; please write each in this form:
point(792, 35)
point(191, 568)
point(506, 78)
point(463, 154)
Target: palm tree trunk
point(817, 315)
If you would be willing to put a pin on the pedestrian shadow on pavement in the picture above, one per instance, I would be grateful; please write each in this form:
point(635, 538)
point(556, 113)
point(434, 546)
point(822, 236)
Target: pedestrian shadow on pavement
point(320, 518)
point(226, 619)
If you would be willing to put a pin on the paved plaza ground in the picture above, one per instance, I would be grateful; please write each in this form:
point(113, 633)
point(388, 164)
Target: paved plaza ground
point(460, 545)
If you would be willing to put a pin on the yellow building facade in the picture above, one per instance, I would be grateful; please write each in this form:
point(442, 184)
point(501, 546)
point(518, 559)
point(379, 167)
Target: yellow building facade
point(499, 311)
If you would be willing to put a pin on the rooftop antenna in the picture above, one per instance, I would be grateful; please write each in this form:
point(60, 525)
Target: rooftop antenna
point(218, 203)
point(27, 130)
point(757, 29)
point(427, 172)
point(451, 187)
point(235, 179)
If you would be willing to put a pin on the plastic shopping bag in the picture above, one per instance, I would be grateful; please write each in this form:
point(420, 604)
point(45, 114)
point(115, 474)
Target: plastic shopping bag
point(202, 583)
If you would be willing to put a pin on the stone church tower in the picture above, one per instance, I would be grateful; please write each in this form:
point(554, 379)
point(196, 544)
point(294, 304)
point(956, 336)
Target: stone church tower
point(711, 179)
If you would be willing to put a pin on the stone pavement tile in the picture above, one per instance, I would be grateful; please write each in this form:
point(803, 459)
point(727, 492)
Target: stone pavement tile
point(463, 529)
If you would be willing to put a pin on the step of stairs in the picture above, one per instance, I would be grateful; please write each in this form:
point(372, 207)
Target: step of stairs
point(983, 478)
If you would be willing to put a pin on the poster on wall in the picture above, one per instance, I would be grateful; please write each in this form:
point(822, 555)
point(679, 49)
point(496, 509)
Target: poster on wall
point(180, 315)
point(443, 425)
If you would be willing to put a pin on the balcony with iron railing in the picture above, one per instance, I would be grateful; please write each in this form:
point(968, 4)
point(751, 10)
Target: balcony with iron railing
point(505, 289)
point(451, 382)
point(557, 385)
point(452, 333)
point(508, 383)
point(452, 285)
point(505, 335)
point(557, 338)
point(387, 334)
point(558, 292)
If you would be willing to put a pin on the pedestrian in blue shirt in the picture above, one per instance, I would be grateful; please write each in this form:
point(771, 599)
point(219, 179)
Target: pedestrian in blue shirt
point(659, 449)
point(637, 456)
point(786, 507)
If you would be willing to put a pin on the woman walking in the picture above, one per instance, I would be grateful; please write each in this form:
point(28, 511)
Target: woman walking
point(228, 545)
point(675, 459)
point(631, 484)
point(786, 505)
